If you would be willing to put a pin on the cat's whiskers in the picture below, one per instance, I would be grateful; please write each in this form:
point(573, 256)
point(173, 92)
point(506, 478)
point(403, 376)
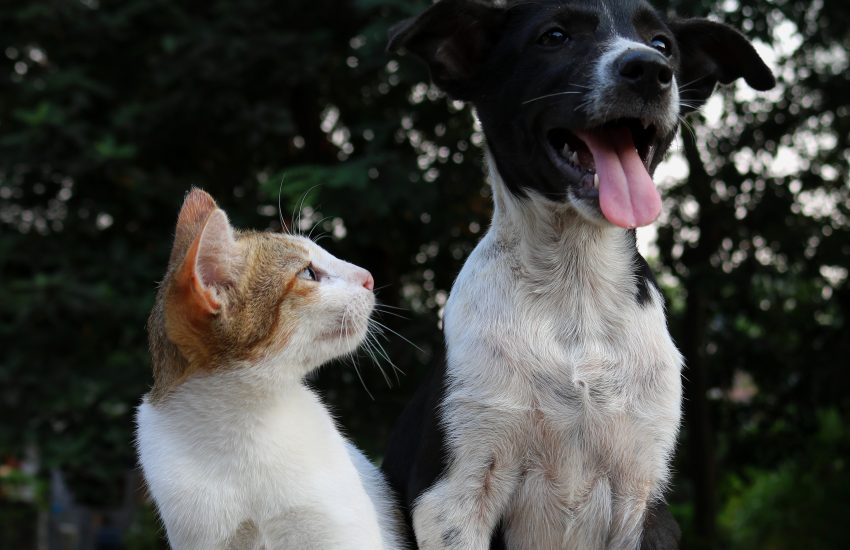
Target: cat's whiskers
point(343, 326)
point(280, 209)
point(388, 329)
point(374, 345)
point(351, 318)
point(371, 347)
point(315, 225)
point(394, 314)
point(387, 306)
point(351, 357)
point(375, 352)
point(356, 364)
point(382, 287)
point(300, 209)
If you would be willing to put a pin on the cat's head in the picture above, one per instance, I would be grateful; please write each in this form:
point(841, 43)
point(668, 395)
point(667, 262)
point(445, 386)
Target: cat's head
point(237, 300)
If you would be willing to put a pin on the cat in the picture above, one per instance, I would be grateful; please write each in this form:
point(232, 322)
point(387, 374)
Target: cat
point(237, 452)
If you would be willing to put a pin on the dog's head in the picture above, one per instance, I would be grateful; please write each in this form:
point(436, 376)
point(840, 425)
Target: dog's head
point(579, 99)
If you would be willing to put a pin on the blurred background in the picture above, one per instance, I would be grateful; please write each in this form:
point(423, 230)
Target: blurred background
point(111, 110)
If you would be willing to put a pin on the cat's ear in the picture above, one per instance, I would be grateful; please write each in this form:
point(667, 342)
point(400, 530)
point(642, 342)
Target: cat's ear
point(210, 261)
point(713, 52)
point(454, 38)
point(197, 207)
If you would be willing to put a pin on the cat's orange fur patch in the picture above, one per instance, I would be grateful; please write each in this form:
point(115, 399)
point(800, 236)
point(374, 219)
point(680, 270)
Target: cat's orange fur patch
point(192, 333)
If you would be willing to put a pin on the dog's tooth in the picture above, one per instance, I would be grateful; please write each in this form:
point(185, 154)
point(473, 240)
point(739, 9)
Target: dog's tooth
point(566, 151)
point(574, 158)
point(645, 122)
point(596, 180)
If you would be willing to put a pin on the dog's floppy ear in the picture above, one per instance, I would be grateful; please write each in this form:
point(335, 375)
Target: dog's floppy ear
point(453, 37)
point(713, 52)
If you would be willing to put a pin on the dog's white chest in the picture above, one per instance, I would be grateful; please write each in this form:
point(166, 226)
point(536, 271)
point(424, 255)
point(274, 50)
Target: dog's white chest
point(575, 394)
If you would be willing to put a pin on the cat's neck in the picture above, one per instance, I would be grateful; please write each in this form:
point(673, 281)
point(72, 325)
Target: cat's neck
point(242, 411)
point(236, 389)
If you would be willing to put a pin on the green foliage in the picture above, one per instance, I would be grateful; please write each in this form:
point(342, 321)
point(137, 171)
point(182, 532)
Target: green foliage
point(110, 110)
point(17, 525)
point(146, 532)
point(799, 504)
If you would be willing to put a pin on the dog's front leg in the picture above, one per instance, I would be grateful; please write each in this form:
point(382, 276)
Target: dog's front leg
point(628, 520)
point(462, 509)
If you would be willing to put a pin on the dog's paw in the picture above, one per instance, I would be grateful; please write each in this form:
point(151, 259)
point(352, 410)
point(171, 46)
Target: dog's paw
point(441, 524)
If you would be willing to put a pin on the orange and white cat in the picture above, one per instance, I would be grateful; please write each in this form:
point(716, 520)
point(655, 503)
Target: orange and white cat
point(237, 452)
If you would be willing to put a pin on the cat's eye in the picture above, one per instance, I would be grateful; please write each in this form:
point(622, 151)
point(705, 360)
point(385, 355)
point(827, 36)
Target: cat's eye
point(553, 37)
point(309, 274)
point(662, 44)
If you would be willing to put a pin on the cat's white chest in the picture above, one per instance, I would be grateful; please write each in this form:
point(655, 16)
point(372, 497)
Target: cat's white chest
point(211, 471)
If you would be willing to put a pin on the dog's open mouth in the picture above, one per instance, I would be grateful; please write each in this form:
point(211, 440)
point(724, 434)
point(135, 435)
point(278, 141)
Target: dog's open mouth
point(612, 161)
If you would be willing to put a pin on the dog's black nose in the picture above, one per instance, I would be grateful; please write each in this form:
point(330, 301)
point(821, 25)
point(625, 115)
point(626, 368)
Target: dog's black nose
point(646, 72)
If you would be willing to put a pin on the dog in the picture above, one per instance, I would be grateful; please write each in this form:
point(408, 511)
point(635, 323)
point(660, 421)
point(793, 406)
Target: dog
point(553, 419)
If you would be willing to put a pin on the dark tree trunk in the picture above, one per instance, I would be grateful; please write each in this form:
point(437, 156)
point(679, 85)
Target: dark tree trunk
point(700, 441)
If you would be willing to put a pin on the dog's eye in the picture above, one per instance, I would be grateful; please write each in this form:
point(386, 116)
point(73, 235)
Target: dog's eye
point(553, 37)
point(308, 273)
point(662, 44)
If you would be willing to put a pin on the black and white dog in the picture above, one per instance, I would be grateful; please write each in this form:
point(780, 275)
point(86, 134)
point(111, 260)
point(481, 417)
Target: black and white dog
point(554, 418)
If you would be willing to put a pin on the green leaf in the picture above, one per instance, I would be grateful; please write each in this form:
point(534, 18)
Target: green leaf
point(45, 113)
point(109, 149)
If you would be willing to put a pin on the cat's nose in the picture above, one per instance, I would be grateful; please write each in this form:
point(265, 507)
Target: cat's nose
point(368, 281)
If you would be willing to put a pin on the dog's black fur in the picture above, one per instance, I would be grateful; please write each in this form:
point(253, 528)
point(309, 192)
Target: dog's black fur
point(514, 64)
point(492, 58)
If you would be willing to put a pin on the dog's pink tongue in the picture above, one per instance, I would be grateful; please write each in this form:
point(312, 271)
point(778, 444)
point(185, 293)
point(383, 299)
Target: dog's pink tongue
point(627, 194)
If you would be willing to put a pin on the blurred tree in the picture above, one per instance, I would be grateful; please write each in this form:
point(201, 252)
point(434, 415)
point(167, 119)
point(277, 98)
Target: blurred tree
point(757, 243)
point(110, 110)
